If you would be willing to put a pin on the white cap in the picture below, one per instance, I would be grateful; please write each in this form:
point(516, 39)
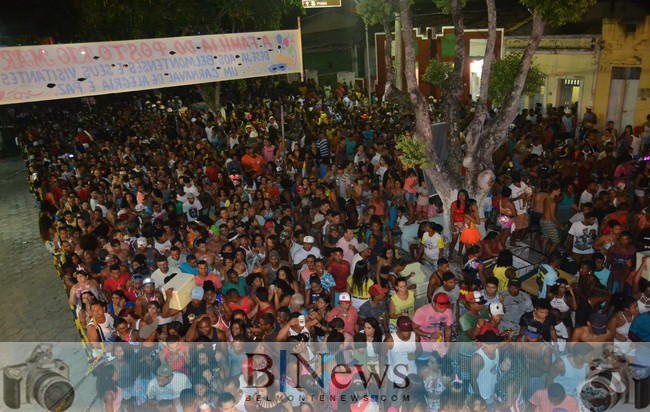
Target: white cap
point(140, 208)
point(308, 239)
point(496, 308)
point(344, 297)
point(141, 242)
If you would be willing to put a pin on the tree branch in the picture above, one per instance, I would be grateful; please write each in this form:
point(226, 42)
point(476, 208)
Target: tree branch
point(499, 125)
point(477, 123)
point(440, 176)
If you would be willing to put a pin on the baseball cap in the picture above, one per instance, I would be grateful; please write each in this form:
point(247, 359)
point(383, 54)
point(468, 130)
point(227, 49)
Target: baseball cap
point(274, 254)
point(137, 276)
point(140, 208)
point(476, 297)
point(489, 336)
point(376, 290)
point(496, 308)
point(147, 281)
point(404, 324)
point(142, 241)
point(362, 247)
point(197, 293)
point(514, 282)
point(189, 195)
point(598, 323)
point(534, 330)
point(344, 297)
point(308, 239)
point(442, 299)
point(164, 370)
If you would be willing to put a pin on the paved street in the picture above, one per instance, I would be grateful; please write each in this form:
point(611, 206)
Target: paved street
point(33, 302)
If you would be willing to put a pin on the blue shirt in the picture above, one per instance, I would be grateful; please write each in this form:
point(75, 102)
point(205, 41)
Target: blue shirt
point(186, 268)
point(603, 276)
point(327, 281)
point(547, 276)
point(239, 287)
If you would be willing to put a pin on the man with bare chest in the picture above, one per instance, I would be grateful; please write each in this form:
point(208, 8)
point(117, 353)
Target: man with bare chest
point(550, 225)
point(203, 253)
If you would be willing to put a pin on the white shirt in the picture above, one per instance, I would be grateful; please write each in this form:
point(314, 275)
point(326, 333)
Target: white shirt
point(171, 391)
point(191, 210)
point(159, 277)
point(585, 197)
point(583, 237)
point(516, 192)
point(432, 245)
point(355, 259)
point(302, 254)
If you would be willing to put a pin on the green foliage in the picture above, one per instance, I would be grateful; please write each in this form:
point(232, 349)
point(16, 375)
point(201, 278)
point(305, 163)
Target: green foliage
point(372, 11)
point(413, 151)
point(445, 5)
point(504, 73)
point(437, 72)
point(135, 19)
point(559, 12)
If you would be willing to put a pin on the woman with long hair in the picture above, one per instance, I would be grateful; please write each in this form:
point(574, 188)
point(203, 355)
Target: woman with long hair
point(322, 309)
point(385, 262)
point(503, 269)
point(507, 214)
point(567, 206)
point(108, 390)
point(457, 220)
point(562, 298)
point(359, 284)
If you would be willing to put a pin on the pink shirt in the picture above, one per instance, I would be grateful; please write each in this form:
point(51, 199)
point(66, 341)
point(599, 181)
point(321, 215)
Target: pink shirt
point(350, 320)
point(347, 253)
point(431, 321)
point(543, 404)
point(211, 277)
point(411, 184)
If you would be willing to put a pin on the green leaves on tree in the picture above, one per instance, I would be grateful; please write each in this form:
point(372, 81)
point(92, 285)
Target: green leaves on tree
point(559, 12)
point(437, 72)
point(504, 73)
point(412, 151)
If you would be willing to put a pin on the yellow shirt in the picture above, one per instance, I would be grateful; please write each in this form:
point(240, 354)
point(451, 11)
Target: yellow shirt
point(361, 294)
point(499, 272)
point(402, 306)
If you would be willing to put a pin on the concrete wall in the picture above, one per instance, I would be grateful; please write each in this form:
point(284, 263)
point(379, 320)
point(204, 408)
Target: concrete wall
point(624, 46)
point(563, 57)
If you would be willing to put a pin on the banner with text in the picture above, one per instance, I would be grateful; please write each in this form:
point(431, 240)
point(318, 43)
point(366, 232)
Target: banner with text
point(48, 72)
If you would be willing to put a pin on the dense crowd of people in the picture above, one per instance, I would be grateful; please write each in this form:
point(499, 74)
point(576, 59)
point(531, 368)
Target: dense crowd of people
point(289, 208)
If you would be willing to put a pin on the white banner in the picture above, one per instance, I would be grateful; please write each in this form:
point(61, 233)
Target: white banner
point(47, 72)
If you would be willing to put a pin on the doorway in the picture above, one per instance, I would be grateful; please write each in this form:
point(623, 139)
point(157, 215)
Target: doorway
point(623, 92)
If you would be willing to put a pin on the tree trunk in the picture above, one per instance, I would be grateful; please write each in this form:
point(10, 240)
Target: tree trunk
point(387, 21)
point(445, 183)
point(474, 162)
point(454, 88)
point(211, 94)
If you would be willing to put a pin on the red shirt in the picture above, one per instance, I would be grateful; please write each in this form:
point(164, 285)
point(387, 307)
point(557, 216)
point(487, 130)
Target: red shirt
point(349, 321)
point(458, 213)
point(111, 284)
point(340, 273)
